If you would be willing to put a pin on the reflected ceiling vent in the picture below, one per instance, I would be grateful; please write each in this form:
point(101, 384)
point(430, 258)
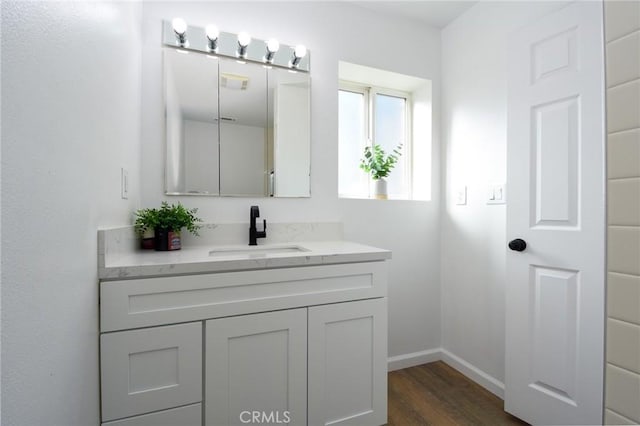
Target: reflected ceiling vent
point(234, 81)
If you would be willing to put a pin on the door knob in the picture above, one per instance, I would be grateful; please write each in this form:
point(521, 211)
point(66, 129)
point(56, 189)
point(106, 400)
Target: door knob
point(517, 244)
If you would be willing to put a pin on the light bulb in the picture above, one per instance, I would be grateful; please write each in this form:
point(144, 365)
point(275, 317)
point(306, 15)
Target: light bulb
point(212, 32)
point(179, 26)
point(300, 51)
point(273, 45)
point(244, 39)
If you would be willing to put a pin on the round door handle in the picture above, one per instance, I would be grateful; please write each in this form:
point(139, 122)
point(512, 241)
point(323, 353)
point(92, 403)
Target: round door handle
point(517, 244)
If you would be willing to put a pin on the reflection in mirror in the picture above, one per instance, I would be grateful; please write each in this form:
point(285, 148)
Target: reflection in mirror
point(191, 100)
point(235, 129)
point(243, 129)
point(289, 142)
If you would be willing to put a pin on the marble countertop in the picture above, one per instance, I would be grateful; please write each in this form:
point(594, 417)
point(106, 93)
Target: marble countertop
point(197, 259)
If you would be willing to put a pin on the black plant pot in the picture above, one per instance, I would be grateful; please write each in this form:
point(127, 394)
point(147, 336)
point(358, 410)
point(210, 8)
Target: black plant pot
point(166, 240)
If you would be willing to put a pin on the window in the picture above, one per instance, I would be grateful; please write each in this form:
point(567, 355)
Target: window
point(374, 114)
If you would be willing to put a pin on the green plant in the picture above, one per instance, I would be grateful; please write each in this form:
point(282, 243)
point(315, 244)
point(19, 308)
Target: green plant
point(146, 220)
point(377, 163)
point(172, 217)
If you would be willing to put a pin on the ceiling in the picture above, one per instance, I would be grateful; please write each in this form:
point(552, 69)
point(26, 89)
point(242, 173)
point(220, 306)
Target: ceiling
point(435, 13)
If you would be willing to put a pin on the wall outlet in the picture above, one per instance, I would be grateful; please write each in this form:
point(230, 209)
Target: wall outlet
point(496, 194)
point(461, 195)
point(124, 183)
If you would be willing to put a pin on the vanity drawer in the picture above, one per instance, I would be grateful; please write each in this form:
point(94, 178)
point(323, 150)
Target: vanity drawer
point(151, 369)
point(191, 415)
point(154, 301)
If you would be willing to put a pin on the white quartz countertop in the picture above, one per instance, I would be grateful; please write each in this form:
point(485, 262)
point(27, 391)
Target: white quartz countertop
point(198, 259)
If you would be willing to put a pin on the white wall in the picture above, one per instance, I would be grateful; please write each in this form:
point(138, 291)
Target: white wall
point(71, 98)
point(243, 163)
point(333, 31)
point(474, 86)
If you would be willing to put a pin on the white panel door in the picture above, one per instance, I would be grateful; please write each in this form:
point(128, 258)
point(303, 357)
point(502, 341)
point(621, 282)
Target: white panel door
point(256, 369)
point(348, 363)
point(555, 287)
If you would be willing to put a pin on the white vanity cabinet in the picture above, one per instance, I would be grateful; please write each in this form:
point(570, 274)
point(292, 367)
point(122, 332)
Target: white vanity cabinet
point(300, 346)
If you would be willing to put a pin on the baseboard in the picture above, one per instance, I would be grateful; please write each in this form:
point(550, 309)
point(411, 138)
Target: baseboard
point(411, 360)
point(485, 380)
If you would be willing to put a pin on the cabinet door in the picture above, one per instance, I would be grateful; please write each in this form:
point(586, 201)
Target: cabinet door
point(348, 363)
point(256, 365)
point(150, 369)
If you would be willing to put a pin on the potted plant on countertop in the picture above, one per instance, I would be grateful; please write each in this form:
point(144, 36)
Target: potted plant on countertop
point(145, 224)
point(167, 223)
point(379, 165)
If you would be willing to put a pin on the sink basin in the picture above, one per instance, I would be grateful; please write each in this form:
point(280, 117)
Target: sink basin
point(255, 251)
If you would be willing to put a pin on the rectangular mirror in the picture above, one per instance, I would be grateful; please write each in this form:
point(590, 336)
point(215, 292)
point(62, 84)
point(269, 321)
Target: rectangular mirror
point(235, 128)
point(191, 114)
point(290, 141)
point(243, 129)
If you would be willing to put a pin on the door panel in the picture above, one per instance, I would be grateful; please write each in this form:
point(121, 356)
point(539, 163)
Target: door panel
point(554, 163)
point(554, 295)
point(555, 288)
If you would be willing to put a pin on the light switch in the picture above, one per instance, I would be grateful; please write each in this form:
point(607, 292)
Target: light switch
point(496, 194)
point(461, 195)
point(124, 183)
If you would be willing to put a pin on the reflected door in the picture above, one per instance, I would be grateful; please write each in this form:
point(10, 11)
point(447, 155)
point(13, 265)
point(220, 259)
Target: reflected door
point(555, 287)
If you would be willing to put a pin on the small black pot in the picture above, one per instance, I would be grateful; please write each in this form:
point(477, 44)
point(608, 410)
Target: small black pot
point(166, 240)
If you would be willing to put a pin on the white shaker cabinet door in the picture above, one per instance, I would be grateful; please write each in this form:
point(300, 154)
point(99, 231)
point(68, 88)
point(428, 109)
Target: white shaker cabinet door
point(150, 369)
point(348, 363)
point(256, 369)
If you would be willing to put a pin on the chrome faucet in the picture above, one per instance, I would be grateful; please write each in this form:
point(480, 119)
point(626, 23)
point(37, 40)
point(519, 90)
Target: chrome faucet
point(254, 234)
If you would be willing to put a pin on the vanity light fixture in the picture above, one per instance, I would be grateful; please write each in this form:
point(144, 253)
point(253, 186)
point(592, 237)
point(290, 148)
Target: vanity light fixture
point(180, 30)
point(243, 41)
point(272, 47)
point(299, 52)
point(211, 41)
point(212, 33)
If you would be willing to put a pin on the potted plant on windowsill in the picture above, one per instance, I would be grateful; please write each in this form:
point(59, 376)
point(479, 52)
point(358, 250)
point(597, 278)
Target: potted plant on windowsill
point(167, 223)
point(377, 163)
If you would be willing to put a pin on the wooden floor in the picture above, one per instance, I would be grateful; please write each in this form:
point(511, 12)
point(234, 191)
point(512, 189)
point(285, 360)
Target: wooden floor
point(436, 394)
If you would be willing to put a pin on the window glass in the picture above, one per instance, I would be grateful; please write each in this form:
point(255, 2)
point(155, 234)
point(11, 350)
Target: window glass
point(389, 132)
point(352, 137)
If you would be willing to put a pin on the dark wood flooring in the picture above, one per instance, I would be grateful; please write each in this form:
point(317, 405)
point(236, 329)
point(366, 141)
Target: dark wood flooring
point(436, 394)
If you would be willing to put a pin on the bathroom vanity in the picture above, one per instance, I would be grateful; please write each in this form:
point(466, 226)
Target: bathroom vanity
point(288, 333)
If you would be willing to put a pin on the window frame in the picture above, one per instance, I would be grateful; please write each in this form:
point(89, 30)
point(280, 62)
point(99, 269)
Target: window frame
point(369, 92)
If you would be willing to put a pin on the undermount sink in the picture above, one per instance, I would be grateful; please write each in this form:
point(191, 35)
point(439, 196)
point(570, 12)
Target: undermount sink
point(255, 251)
